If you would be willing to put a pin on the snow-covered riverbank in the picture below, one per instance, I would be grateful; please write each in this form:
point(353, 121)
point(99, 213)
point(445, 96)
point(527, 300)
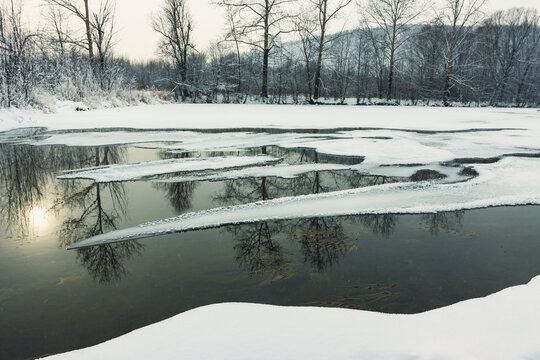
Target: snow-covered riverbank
point(501, 326)
point(214, 116)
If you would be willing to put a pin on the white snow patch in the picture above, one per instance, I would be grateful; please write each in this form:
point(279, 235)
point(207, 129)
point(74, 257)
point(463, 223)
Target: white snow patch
point(501, 326)
point(511, 181)
point(136, 171)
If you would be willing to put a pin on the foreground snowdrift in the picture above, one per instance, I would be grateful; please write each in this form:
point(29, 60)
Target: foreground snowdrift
point(501, 326)
point(510, 181)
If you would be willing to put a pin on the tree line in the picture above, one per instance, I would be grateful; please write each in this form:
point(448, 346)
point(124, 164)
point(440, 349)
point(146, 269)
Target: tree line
point(283, 51)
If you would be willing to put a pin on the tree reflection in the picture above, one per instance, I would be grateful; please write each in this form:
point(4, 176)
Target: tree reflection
point(25, 173)
point(105, 263)
point(449, 222)
point(257, 252)
point(94, 208)
point(380, 224)
point(23, 176)
point(180, 194)
point(322, 240)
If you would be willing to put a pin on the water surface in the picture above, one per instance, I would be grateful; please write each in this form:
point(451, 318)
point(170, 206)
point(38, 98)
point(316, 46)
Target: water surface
point(53, 300)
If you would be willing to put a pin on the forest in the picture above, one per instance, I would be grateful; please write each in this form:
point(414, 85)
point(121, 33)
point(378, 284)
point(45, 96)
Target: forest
point(409, 52)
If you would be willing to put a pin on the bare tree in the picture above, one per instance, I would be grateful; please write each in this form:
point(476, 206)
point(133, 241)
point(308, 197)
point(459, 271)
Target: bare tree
point(378, 64)
point(84, 15)
point(305, 27)
point(233, 36)
point(259, 23)
point(327, 10)
point(173, 22)
point(17, 45)
point(393, 17)
point(103, 31)
point(58, 25)
point(507, 33)
point(458, 17)
point(530, 60)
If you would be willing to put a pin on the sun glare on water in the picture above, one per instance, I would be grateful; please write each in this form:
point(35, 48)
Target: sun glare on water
point(38, 217)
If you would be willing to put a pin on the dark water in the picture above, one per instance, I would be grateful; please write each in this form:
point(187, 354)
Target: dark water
point(53, 300)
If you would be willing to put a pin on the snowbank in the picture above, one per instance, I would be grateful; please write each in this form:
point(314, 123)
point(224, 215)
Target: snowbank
point(501, 326)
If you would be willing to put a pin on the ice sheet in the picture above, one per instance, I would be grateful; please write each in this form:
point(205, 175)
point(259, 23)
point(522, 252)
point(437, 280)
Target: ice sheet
point(282, 171)
point(511, 181)
point(377, 147)
point(136, 171)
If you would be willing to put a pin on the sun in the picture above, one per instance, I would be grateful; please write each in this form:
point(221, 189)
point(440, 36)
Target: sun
point(37, 217)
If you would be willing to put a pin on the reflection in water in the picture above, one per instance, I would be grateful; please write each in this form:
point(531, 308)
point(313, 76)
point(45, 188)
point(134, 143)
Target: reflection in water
point(23, 175)
point(380, 224)
point(94, 209)
point(27, 173)
point(323, 241)
point(449, 222)
point(179, 194)
point(105, 263)
point(257, 252)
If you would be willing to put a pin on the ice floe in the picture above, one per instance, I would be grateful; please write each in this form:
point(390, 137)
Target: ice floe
point(136, 171)
point(510, 181)
point(285, 171)
point(376, 147)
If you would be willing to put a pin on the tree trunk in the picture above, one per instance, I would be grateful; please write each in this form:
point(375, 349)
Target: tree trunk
point(522, 83)
point(449, 64)
point(264, 89)
point(318, 81)
point(88, 33)
point(266, 55)
point(391, 69)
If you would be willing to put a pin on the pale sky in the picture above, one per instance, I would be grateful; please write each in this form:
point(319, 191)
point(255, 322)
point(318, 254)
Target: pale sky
point(137, 40)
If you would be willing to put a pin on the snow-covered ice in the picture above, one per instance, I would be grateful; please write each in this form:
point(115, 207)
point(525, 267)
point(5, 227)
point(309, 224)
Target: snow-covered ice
point(230, 116)
point(136, 171)
point(285, 171)
point(501, 326)
point(511, 181)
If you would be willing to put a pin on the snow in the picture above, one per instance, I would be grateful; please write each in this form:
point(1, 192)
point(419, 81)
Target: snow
point(230, 116)
point(500, 326)
point(282, 171)
point(136, 171)
point(511, 181)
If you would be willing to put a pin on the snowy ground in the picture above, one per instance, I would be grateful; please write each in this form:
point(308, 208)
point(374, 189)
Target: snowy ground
point(501, 326)
point(490, 157)
point(198, 116)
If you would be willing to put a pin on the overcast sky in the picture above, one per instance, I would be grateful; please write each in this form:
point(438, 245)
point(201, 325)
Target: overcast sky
point(136, 39)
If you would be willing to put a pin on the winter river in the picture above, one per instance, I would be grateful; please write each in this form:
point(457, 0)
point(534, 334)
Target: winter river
point(54, 300)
